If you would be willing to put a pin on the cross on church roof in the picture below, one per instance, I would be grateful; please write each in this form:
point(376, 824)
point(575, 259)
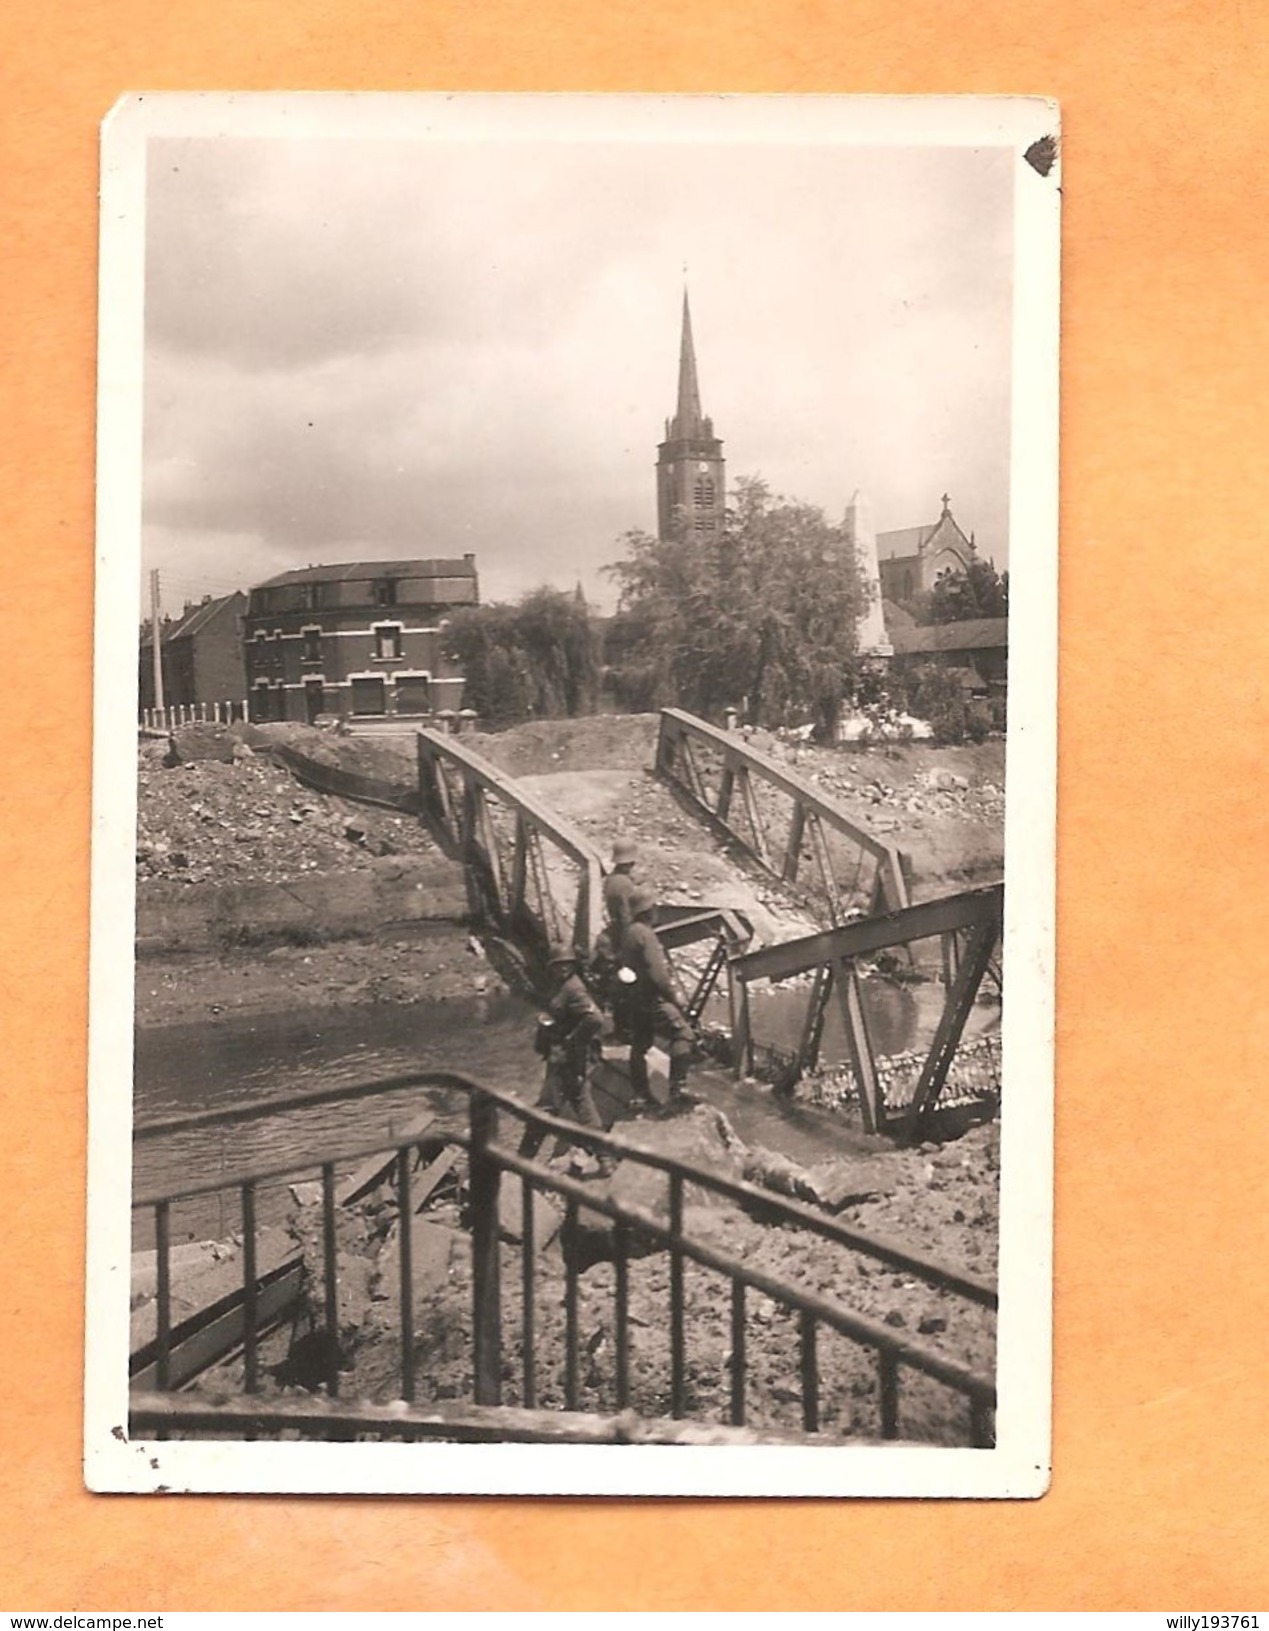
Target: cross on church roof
point(947, 503)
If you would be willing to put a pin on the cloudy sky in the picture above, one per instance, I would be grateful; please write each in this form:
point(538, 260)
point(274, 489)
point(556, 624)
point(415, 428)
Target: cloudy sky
point(361, 348)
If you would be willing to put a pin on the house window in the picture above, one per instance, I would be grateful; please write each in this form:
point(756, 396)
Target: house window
point(368, 696)
point(388, 640)
point(414, 694)
point(385, 592)
point(312, 645)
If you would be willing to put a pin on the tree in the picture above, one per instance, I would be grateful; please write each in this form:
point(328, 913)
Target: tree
point(766, 610)
point(536, 658)
point(975, 589)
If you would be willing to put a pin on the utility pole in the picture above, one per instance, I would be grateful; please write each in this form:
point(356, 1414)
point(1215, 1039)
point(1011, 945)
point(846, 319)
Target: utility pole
point(156, 637)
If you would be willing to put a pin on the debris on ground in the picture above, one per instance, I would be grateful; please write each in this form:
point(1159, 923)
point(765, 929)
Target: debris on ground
point(207, 820)
point(939, 1201)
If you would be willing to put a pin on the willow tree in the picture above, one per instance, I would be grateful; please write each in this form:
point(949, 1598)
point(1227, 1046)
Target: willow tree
point(761, 614)
point(536, 658)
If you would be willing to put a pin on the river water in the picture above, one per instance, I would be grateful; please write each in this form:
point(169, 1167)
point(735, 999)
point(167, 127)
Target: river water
point(233, 1059)
point(268, 1056)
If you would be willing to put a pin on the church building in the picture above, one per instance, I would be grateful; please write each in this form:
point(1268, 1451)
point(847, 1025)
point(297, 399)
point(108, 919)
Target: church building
point(912, 558)
point(691, 473)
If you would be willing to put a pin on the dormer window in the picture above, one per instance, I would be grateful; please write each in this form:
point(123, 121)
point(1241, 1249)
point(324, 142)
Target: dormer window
point(386, 592)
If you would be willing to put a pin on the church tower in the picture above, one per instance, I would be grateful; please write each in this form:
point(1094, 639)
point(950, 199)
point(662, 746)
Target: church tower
point(691, 490)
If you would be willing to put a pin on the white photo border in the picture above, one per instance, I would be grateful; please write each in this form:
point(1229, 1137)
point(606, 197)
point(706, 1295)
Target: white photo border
point(1019, 1464)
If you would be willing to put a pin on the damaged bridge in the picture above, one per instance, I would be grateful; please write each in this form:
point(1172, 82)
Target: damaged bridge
point(534, 874)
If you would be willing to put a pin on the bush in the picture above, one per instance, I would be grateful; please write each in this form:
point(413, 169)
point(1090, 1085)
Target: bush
point(937, 695)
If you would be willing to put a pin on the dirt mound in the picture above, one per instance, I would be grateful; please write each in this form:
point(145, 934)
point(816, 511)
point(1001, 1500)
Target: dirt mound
point(942, 806)
point(596, 742)
point(385, 758)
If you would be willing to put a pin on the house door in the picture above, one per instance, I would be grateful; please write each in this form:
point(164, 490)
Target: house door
point(312, 699)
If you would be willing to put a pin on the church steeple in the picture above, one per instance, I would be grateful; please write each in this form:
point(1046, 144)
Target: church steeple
point(690, 467)
point(687, 420)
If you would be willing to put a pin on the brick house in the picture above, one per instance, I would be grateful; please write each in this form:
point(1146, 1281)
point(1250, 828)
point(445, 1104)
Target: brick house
point(363, 639)
point(201, 655)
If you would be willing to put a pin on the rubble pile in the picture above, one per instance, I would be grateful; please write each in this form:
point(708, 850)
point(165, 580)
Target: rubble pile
point(943, 807)
point(974, 1076)
point(205, 820)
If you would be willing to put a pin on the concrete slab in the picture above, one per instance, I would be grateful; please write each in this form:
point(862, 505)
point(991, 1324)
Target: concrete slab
point(546, 1220)
point(431, 1248)
point(199, 1282)
point(378, 1167)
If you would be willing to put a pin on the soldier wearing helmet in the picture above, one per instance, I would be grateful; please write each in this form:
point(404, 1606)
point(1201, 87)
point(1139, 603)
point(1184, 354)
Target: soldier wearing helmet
point(566, 1038)
point(619, 885)
point(656, 1006)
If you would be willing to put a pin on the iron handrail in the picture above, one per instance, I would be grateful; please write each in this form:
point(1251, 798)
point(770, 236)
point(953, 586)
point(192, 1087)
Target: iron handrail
point(488, 1160)
point(311, 1098)
point(740, 757)
point(856, 1326)
point(972, 1287)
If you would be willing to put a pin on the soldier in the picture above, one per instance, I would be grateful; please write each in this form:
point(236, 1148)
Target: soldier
point(656, 1005)
point(619, 885)
point(566, 1039)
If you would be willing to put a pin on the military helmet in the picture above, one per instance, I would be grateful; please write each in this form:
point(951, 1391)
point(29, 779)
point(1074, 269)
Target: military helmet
point(624, 851)
point(560, 953)
point(641, 900)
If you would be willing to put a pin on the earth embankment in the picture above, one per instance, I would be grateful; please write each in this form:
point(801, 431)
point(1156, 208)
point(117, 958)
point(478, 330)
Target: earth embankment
point(257, 890)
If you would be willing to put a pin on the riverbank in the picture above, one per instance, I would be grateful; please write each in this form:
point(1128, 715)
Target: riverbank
point(444, 964)
point(256, 892)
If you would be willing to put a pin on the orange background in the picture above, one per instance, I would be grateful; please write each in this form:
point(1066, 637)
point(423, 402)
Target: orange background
point(1162, 1409)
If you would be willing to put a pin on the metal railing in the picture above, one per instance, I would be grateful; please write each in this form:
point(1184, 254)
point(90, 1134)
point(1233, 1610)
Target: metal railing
point(510, 880)
point(968, 926)
point(729, 933)
point(683, 745)
point(895, 1354)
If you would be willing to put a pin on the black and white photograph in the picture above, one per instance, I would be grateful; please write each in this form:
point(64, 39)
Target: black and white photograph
point(573, 849)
